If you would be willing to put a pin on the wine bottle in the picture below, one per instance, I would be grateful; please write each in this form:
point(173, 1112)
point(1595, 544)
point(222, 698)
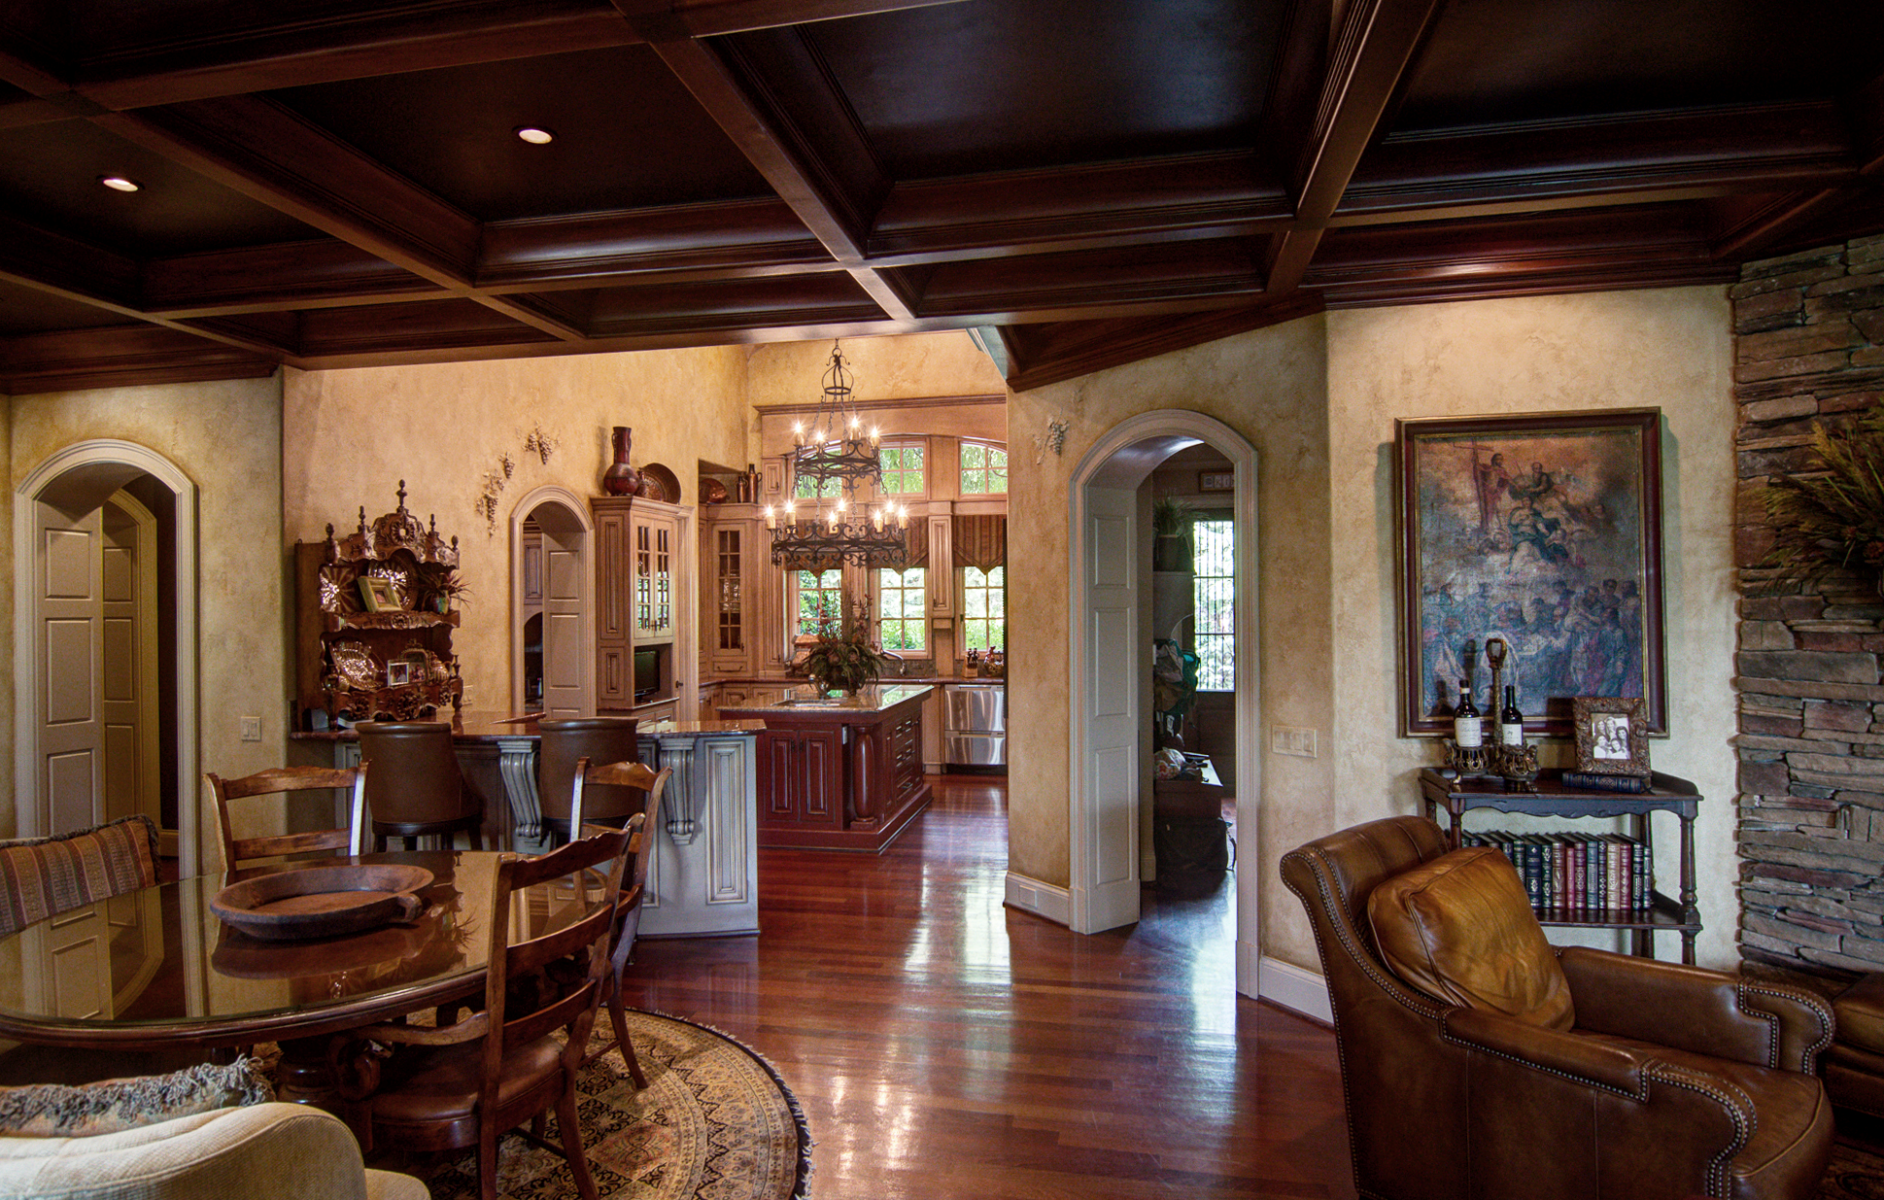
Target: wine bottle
point(1511, 721)
point(1468, 730)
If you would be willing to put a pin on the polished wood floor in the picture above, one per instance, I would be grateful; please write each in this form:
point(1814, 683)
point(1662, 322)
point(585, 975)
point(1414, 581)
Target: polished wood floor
point(943, 1045)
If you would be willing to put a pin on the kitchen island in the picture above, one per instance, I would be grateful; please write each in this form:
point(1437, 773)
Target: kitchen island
point(839, 773)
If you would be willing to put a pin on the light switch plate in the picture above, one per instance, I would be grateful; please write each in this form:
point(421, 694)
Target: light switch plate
point(251, 729)
point(1293, 739)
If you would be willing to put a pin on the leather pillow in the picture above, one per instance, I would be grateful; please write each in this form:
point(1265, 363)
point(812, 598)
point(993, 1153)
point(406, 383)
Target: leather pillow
point(1461, 930)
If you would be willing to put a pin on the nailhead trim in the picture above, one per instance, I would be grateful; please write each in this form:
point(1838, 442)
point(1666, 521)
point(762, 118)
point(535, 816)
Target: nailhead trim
point(1826, 1025)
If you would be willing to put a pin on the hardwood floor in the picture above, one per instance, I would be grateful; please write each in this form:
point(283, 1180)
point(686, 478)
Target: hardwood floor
point(942, 1045)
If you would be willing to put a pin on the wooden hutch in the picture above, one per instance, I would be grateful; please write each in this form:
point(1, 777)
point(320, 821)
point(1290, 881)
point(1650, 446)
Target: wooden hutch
point(373, 622)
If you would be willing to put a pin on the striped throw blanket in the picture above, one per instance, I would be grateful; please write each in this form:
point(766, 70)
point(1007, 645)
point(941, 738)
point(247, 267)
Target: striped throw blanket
point(41, 877)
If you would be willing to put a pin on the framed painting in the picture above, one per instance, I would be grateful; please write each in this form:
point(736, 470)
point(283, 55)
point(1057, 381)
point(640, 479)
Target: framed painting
point(1546, 531)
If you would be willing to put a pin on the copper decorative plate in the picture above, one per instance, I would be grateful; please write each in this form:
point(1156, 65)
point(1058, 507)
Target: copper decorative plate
point(323, 901)
point(668, 483)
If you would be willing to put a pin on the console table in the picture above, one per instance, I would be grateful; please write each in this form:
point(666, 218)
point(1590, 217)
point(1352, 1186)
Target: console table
point(1552, 799)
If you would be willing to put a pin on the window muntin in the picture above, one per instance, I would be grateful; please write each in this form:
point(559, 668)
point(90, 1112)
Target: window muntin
point(903, 470)
point(984, 469)
point(984, 609)
point(1213, 599)
point(901, 621)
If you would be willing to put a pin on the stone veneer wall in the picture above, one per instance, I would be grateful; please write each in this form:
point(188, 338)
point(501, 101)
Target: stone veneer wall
point(1808, 347)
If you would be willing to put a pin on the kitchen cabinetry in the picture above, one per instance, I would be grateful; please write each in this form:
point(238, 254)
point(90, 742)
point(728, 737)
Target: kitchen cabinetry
point(735, 553)
point(1551, 799)
point(643, 574)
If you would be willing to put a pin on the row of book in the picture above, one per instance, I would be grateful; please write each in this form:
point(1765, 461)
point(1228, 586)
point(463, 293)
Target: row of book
point(1577, 871)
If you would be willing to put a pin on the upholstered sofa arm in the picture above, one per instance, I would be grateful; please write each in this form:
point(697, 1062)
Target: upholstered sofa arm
point(1706, 1012)
point(284, 1151)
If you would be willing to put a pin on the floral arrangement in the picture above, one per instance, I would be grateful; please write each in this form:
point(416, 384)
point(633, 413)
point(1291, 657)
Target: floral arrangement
point(842, 656)
point(1832, 519)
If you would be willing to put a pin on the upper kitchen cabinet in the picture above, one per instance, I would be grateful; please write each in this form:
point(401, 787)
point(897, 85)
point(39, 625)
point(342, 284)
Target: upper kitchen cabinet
point(644, 581)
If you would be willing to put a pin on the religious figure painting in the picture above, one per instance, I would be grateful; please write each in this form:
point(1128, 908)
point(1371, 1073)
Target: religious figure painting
point(1543, 531)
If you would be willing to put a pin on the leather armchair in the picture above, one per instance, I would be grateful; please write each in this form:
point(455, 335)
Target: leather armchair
point(1673, 1081)
point(284, 1151)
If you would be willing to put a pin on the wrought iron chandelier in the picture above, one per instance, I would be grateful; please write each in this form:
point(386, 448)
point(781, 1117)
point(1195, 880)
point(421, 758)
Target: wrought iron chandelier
point(823, 522)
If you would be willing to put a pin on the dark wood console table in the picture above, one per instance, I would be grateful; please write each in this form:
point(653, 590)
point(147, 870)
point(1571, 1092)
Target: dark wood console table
point(1552, 799)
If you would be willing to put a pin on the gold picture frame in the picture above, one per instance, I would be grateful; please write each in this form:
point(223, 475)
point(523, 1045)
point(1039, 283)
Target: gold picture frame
point(377, 594)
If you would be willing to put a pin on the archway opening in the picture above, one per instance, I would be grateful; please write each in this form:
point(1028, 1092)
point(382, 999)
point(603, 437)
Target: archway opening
point(553, 618)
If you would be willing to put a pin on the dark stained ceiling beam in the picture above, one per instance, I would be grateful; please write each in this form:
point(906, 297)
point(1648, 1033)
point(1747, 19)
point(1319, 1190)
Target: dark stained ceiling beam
point(1607, 161)
point(121, 355)
point(736, 239)
point(833, 186)
point(1376, 45)
point(285, 277)
point(264, 151)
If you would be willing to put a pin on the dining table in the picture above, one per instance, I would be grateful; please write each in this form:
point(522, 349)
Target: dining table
point(159, 967)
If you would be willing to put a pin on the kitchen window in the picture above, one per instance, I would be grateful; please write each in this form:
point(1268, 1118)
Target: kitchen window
point(1213, 601)
point(818, 597)
point(984, 469)
point(902, 624)
point(903, 473)
point(984, 609)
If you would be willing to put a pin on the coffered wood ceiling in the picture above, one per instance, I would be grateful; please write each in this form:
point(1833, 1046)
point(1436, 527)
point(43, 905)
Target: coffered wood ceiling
point(334, 183)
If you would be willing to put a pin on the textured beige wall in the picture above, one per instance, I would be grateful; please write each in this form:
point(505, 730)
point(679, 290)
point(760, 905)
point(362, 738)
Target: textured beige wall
point(886, 368)
point(227, 438)
point(351, 436)
point(1271, 387)
point(1670, 349)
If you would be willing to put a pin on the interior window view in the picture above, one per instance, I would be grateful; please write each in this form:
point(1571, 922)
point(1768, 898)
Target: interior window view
point(859, 599)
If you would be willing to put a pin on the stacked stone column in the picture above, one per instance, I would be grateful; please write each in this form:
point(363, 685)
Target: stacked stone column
point(1809, 348)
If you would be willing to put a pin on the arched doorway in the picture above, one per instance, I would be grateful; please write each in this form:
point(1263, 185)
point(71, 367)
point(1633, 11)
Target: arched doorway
point(1109, 686)
point(551, 602)
point(72, 484)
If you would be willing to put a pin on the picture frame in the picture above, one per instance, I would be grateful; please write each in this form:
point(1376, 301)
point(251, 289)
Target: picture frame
point(398, 673)
point(1612, 736)
point(1216, 481)
point(1544, 530)
point(377, 594)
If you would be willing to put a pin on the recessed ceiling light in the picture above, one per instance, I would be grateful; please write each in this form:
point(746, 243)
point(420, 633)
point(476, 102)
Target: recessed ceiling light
point(535, 136)
point(119, 183)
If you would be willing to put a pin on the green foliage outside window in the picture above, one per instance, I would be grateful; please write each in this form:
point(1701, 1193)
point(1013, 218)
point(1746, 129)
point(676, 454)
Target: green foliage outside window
point(984, 469)
point(902, 621)
point(903, 471)
point(820, 599)
point(984, 609)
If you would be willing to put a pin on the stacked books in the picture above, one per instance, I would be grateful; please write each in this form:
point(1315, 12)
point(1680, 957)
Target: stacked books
point(1578, 872)
point(1587, 781)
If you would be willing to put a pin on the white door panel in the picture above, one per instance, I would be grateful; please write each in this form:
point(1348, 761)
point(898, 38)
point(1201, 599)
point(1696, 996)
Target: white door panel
point(1112, 725)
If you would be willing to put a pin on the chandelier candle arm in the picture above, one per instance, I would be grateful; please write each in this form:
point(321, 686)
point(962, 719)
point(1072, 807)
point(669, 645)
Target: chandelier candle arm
point(832, 457)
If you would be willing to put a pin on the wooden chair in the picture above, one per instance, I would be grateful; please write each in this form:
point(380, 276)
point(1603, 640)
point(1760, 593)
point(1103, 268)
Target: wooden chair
point(286, 781)
point(467, 1083)
point(634, 890)
point(566, 742)
point(417, 789)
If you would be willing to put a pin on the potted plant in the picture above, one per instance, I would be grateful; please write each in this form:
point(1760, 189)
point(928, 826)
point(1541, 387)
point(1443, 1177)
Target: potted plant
point(448, 589)
point(1171, 522)
point(842, 657)
point(1832, 519)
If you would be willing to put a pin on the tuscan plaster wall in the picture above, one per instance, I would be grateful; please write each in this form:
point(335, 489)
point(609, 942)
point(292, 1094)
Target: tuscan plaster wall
point(226, 437)
point(1668, 348)
point(1271, 387)
point(351, 436)
point(892, 368)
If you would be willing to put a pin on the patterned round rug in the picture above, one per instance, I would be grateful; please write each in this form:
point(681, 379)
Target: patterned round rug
point(714, 1123)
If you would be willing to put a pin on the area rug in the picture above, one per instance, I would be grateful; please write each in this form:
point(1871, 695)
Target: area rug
point(714, 1123)
point(1855, 1174)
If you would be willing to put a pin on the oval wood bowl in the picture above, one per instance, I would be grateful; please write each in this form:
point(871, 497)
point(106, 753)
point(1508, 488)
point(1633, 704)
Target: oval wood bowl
point(322, 901)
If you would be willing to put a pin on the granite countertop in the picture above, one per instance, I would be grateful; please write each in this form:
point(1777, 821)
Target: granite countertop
point(798, 698)
point(703, 728)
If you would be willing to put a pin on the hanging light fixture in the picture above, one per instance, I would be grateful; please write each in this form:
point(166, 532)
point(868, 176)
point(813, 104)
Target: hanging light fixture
point(825, 522)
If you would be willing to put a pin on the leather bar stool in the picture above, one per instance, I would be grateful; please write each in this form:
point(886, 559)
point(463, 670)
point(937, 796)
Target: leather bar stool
point(415, 788)
point(565, 742)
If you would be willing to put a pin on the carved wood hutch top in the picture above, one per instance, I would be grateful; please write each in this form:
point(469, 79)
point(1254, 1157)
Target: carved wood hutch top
point(374, 618)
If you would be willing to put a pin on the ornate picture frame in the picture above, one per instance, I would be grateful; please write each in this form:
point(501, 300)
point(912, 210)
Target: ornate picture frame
point(1612, 737)
point(1544, 530)
point(377, 594)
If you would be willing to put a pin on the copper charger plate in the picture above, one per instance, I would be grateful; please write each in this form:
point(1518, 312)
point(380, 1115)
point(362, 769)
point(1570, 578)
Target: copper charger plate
point(322, 901)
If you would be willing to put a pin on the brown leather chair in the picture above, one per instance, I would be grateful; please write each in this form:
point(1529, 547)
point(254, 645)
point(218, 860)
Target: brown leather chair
point(1672, 1081)
point(416, 788)
point(466, 1083)
point(285, 781)
point(644, 825)
point(565, 742)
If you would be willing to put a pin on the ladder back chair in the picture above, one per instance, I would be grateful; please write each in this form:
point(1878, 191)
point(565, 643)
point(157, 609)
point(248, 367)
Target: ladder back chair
point(470, 1082)
point(652, 785)
point(287, 782)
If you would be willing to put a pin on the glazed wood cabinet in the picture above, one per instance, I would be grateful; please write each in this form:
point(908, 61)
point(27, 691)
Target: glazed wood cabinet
point(735, 559)
point(641, 588)
point(801, 777)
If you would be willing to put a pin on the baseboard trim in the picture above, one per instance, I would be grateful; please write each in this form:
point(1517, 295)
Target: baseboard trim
point(1295, 989)
point(1047, 900)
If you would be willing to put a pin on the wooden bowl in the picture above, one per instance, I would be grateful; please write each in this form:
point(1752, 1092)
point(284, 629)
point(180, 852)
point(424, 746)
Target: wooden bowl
point(323, 901)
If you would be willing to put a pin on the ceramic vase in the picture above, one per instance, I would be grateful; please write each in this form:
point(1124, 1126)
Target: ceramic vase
point(620, 479)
